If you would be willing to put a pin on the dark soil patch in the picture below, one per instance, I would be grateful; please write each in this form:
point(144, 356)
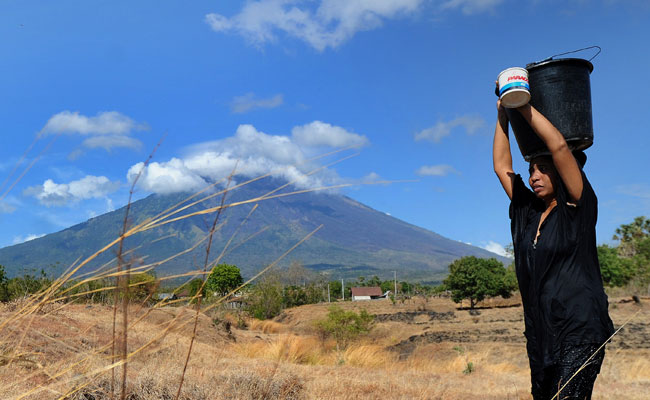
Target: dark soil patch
point(635, 335)
point(406, 347)
point(409, 316)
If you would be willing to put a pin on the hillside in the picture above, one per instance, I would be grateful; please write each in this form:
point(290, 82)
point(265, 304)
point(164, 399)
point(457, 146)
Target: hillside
point(354, 240)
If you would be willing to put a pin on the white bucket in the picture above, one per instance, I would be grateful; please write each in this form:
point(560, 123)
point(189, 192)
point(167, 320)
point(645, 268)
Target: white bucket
point(514, 90)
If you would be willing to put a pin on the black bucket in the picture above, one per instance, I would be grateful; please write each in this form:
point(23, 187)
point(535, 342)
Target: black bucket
point(559, 89)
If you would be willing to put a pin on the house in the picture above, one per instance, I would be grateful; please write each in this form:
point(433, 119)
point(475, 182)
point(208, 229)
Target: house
point(166, 296)
point(366, 293)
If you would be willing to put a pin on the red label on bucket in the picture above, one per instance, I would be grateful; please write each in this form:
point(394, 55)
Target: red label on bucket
point(518, 78)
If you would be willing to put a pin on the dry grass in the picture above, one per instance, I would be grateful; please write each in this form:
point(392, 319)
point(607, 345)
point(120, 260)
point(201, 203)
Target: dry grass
point(266, 326)
point(67, 343)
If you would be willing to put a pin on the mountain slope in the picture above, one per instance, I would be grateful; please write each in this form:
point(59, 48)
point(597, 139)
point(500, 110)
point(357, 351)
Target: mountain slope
point(354, 240)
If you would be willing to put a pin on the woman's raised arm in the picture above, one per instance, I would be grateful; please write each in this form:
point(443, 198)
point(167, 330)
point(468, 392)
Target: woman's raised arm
point(501, 157)
point(565, 163)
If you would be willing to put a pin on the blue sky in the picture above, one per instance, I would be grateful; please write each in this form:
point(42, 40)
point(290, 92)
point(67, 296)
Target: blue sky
point(268, 84)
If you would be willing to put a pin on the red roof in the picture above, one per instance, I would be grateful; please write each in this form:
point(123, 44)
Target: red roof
point(367, 291)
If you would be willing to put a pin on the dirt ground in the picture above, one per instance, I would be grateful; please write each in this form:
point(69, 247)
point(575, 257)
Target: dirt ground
point(419, 349)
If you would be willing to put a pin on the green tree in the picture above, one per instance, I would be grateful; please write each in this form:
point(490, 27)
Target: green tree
point(374, 281)
point(224, 278)
point(615, 270)
point(142, 286)
point(23, 286)
point(630, 235)
point(387, 285)
point(477, 278)
point(294, 296)
point(344, 326)
point(634, 251)
point(510, 279)
point(265, 298)
point(194, 286)
point(91, 291)
point(4, 289)
point(335, 289)
point(641, 262)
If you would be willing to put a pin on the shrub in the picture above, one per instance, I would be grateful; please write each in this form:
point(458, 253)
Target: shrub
point(265, 299)
point(344, 326)
point(142, 286)
point(294, 296)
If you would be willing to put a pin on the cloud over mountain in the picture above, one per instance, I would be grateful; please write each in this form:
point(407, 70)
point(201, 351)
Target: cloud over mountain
point(51, 193)
point(249, 152)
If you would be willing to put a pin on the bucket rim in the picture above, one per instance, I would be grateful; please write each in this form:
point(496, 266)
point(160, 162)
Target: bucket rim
point(543, 63)
point(512, 69)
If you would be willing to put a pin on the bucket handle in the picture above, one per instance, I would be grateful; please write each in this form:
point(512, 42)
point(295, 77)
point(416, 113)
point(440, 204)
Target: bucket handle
point(575, 51)
point(568, 52)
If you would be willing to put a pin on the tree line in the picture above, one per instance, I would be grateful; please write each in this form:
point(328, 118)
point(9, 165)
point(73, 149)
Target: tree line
point(470, 278)
point(624, 265)
point(628, 263)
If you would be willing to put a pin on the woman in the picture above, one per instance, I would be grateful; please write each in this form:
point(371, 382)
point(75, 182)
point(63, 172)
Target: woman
point(554, 237)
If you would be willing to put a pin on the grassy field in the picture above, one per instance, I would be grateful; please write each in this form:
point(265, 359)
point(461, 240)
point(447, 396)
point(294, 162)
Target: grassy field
point(422, 349)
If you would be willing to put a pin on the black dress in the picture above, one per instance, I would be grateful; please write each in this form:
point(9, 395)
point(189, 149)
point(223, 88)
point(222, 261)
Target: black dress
point(559, 275)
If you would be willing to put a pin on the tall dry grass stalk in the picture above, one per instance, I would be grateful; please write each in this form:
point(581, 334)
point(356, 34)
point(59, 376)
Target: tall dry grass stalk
point(198, 302)
point(18, 328)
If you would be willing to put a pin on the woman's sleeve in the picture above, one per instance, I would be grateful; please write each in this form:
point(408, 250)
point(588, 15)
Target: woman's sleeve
point(522, 200)
point(583, 213)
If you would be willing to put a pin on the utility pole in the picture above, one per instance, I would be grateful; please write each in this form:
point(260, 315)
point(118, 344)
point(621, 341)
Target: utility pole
point(343, 289)
point(395, 280)
point(328, 292)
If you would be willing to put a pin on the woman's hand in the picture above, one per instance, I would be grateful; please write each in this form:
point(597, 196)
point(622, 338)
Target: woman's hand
point(502, 116)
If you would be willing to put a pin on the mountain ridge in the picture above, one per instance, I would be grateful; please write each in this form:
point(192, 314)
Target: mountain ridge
point(354, 240)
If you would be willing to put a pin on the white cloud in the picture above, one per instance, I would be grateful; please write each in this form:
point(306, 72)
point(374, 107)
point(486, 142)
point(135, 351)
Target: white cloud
point(104, 123)
point(436, 170)
point(249, 153)
point(6, 208)
point(167, 177)
point(51, 193)
point(319, 133)
point(372, 177)
point(26, 238)
point(496, 248)
point(330, 24)
point(249, 102)
point(106, 130)
point(470, 7)
point(470, 123)
point(108, 142)
point(641, 190)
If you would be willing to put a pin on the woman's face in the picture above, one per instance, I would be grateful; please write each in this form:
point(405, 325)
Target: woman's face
point(543, 177)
